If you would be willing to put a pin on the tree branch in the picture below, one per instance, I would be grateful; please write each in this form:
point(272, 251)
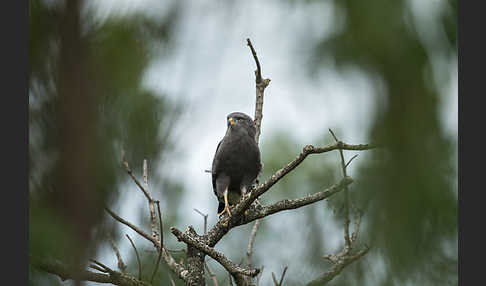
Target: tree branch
point(173, 265)
point(232, 268)
point(121, 265)
point(346, 196)
point(66, 273)
point(251, 241)
point(138, 258)
point(261, 84)
point(339, 263)
point(224, 225)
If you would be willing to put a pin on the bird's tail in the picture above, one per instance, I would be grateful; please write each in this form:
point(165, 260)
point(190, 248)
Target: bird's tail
point(220, 207)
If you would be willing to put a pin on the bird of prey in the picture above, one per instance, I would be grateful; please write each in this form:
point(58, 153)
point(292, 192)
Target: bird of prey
point(236, 163)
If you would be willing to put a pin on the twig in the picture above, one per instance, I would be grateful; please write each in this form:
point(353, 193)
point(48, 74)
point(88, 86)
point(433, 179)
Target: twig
point(211, 274)
point(349, 162)
point(173, 265)
point(275, 282)
point(346, 196)
point(261, 84)
point(338, 265)
point(171, 280)
point(283, 275)
point(161, 242)
point(129, 171)
point(65, 273)
point(96, 267)
point(138, 258)
point(205, 216)
point(153, 220)
point(251, 242)
point(121, 265)
point(136, 229)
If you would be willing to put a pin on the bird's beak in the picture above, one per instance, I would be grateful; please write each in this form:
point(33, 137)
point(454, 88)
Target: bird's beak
point(231, 121)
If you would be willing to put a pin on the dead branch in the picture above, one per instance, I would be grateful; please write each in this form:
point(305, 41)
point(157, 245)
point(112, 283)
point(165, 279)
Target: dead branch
point(279, 283)
point(138, 258)
point(339, 263)
point(232, 268)
point(161, 243)
point(108, 276)
point(173, 265)
point(346, 196)
point(225, 224)
point(120, 264)
point(251, 242)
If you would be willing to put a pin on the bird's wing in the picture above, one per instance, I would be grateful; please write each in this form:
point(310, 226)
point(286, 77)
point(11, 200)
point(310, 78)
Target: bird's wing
point(213, 168)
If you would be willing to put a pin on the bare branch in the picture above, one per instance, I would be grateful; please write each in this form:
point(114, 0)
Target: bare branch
point(283, 276)
point(67, 273)
point(275, 282)
point(251, 242)
point(223, 226)
point(138, 258)
point(261, 84)
point(211, 274)
point(171, 280)
point(338, 266)
point(346, 197)
point(129, 171)
point(205, 216)
point(121, 265)
point(173, 265)
point(153, 220)
point(161, 242)
point(279, 283)
point(349, 162)
point(232, 268)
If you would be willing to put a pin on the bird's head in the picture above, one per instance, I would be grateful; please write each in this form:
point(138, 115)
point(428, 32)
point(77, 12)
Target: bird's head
point(239, 121)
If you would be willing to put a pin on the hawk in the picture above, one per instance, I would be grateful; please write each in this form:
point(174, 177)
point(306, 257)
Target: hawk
point(236, 163)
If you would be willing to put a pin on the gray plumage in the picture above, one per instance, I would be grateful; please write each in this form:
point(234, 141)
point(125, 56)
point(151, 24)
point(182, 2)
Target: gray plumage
point(236, 163)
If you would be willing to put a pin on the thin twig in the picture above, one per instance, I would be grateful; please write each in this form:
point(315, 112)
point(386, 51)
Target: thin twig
point(96, 267)
point(349, 162)
point(138, 258)
point(171, 280)
point(275, 282)
point(161, 242)
point(211, 274)
point(129, 171)
point(121, 265)
point(258, 72)
point(346, 196)
point(283, 275)
point(251, 242)
point(205, 216)
point(153, 220)
point(261, 84)
point(177, 268)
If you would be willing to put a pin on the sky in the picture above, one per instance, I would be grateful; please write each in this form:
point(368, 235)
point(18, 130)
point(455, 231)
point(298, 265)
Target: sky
point(211, 70)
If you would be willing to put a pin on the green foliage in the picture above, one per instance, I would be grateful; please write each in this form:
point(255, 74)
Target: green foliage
point(86, 104)
point(407, 189)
